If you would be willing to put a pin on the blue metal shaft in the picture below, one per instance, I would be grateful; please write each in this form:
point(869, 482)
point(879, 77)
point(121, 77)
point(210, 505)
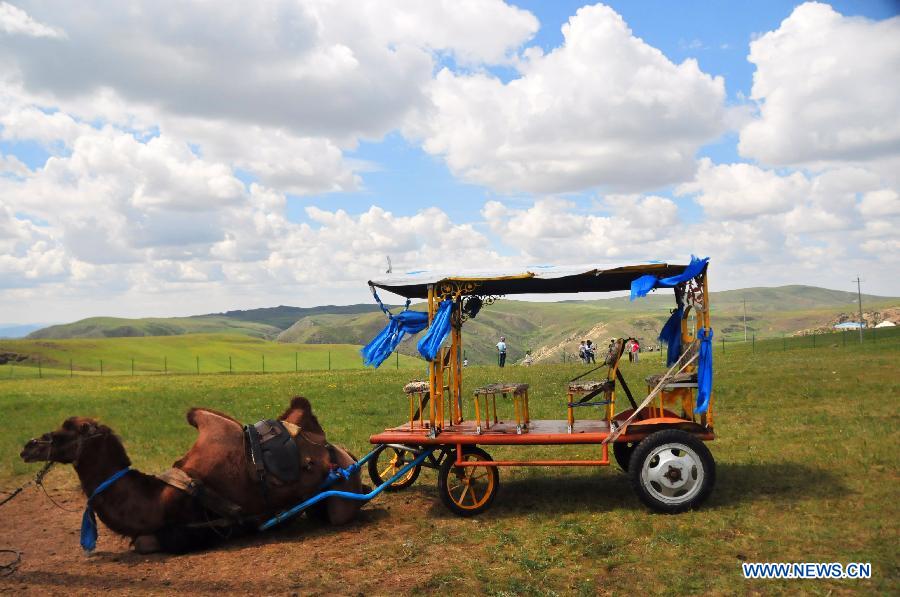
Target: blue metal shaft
point(360, 497)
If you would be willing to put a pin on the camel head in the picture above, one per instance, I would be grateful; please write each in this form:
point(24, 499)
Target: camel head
point(66, 444)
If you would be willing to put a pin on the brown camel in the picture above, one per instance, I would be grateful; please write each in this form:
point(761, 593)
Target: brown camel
point(156, 515)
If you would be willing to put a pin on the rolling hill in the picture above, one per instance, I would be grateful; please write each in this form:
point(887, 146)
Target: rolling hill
point(549, 329)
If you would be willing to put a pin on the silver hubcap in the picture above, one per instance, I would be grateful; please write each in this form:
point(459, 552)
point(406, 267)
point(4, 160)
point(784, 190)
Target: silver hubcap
point(672, 473)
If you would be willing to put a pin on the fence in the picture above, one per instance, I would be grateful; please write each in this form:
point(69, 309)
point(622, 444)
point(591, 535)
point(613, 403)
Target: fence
point(39, 366)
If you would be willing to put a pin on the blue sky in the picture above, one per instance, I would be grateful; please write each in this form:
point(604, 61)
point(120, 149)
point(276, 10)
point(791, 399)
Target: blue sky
point(243, 156)
point(716, 34)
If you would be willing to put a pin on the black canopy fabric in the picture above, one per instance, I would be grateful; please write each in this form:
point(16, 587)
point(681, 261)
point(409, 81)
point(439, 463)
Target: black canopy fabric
point(539, 281)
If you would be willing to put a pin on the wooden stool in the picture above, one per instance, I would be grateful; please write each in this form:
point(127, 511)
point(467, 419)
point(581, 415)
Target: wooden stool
point(579, 389)
point(417, 390)
point(519, 393)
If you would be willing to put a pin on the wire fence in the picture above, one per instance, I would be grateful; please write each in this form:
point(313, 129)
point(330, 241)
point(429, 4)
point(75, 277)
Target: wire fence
point(18, 366)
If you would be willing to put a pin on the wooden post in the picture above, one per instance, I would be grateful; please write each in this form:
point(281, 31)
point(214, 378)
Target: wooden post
point(40, 371)
point(723, 343)
point(783, 342)
point(132, 366)
point(296, 363)
point(398, 360)
point(101, 366)
point(198, 365)
point(165, 365)
point(71, 370)
point(753, 343)
point(329, 360)
point(263, 363)
point(230, 370)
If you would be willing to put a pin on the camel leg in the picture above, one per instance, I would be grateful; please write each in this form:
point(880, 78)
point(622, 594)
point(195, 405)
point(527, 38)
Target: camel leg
point(146, 544)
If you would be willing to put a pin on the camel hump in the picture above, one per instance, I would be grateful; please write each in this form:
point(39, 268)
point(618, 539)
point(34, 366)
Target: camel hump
point(300, 413)
point(213, 422)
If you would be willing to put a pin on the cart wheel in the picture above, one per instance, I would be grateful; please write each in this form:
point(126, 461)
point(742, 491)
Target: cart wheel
point(468, 490)
point(623, 451)
point(672, 471)
point(388, 463)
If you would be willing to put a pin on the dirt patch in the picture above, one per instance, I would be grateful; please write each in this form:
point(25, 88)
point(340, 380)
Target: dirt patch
point(304, 557)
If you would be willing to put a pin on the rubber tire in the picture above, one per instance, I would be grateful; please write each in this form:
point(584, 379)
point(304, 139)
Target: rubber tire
point(447, 469)
point(375, 473)
point(666, 436)
point(623, 451)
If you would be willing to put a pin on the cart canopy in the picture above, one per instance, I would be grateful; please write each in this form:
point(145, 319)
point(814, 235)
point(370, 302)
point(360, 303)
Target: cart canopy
point(537, 280)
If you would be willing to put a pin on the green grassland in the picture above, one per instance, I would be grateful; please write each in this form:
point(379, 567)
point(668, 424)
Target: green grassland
point(807, 457)
point(177, 354)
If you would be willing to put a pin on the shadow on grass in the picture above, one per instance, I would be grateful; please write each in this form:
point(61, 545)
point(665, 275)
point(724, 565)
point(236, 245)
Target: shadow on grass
point(736, 484)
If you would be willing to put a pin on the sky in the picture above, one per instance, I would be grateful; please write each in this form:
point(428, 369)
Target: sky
point(176, 158)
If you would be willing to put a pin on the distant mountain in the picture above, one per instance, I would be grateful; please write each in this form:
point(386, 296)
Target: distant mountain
point(283, 317)
point(549, 329)
point(116, 327)
point(14, 330)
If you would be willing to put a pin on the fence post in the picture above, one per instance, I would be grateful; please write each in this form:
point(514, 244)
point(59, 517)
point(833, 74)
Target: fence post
point(71, 371)
point(814, 338)
point(329, 360)
point(398, 360)
point(230, 370)
point(296, 363)
point(132, 366)
point(198, 365)
point(263, 363)
point(753, 343)
point(783, 342)
point(165, 365)
point(40, 370)
point(723, 343)
point(101, 367)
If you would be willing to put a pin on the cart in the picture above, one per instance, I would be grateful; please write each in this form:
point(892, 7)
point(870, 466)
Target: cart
point(658, 442)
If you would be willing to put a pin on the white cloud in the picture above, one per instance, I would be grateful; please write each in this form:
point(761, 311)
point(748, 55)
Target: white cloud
point(828, 89)
point(15, 21)
point(729, 191)
point(604, 109)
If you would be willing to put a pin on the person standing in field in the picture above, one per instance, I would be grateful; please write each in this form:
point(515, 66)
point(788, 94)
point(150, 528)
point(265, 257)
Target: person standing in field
point(501, 351)
point(635, 351)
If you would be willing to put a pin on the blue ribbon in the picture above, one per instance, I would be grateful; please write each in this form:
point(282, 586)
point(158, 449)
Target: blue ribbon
point(704, 370)
point(431, 342)
point(643, 285)
point(88, 520)
point(380, 348)
point(671, 335)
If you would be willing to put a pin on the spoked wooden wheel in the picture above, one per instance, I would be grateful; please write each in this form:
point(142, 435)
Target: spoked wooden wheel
point(388, 463)
point(468, 490)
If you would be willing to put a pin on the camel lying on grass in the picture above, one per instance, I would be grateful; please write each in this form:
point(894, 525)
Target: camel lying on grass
point(185, 511)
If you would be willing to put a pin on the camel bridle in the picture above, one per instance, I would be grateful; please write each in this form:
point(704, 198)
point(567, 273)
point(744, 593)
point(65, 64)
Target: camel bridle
point(81, 440)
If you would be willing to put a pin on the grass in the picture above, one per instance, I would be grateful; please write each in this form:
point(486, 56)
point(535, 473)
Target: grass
point(177, 354)
point(807, 460)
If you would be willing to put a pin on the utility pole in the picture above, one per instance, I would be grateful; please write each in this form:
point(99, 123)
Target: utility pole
point(745, 319)
point(859, 296)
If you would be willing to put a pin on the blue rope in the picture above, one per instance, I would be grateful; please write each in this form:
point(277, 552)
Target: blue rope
point(385, 309)
point(88, 520)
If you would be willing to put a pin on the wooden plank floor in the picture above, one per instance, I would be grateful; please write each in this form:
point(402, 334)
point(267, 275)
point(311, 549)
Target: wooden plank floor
point(540, 432)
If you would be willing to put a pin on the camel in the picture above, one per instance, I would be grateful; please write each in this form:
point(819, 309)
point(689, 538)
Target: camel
point(160, 517)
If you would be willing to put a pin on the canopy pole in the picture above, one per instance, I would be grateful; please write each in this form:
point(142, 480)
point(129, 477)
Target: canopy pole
point(432, 365)
point(709, 411)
